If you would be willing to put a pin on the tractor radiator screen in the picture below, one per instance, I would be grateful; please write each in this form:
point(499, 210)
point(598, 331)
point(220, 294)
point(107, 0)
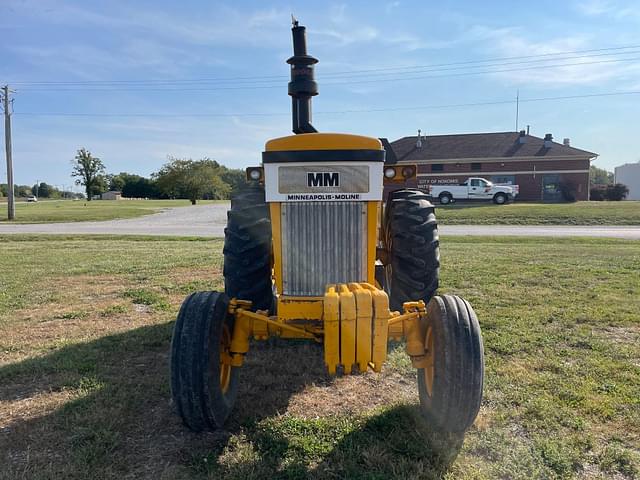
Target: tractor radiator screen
point(322, 243)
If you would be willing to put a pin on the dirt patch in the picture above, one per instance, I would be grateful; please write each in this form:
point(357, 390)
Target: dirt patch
point(627, 335)
point(352, 395)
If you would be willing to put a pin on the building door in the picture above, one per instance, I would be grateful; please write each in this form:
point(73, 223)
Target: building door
point(551, 188)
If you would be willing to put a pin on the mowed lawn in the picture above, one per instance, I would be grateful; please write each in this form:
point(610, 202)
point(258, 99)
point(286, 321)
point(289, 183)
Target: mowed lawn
point(85, 327)
point(578, 213)
point(48, 211)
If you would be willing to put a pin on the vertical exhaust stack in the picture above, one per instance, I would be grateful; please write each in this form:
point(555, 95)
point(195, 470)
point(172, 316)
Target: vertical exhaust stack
point(302, 85)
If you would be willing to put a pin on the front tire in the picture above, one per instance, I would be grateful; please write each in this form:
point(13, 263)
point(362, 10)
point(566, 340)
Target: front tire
point(204, 385)
point(450, 386)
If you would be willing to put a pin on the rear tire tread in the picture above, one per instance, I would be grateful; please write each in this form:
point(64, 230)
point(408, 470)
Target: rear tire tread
point(247, 249)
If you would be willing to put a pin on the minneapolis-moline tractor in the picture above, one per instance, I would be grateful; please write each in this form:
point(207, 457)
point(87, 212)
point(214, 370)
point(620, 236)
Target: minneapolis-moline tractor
point(310, 253)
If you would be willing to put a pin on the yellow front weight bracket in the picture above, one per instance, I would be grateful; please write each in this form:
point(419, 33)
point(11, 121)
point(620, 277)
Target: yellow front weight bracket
point(356, 324)
point(257, 324)
point(412, 325)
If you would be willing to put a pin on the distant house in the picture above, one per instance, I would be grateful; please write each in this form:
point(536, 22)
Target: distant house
point(112, 195)
point(542, 167)
point(629, 175)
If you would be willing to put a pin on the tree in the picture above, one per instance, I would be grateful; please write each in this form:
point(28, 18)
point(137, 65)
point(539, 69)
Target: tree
point(44, 190)
point(234, 177)
point(192, 179)
point(116, 183)
point(600, 176)
point(22, 190)
point(90, 172)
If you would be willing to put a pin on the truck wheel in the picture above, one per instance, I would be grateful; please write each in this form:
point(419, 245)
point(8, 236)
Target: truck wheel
point(411, 241)
point(247, 249)
point(450, 387)
point(445, 199)
point(204, 385)
point(499, 198)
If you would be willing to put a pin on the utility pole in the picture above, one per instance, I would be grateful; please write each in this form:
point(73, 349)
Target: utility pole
point(11, 207)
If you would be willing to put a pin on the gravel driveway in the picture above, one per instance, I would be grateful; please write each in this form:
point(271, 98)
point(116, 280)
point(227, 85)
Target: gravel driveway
point(210, 220)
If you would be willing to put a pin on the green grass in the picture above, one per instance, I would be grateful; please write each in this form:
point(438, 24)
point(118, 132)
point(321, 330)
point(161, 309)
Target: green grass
point(54, 211)
point(579, 213)
point(84, 391)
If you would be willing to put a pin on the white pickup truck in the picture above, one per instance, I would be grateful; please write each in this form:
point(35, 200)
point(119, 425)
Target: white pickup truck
point(473, 188)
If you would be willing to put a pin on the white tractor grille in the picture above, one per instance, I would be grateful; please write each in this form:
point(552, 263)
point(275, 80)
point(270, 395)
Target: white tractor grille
point(322, 242)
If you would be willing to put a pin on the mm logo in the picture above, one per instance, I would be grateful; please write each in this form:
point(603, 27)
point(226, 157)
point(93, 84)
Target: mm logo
point(323, 179)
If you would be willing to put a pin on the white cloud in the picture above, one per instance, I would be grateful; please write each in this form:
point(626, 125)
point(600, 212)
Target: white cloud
point(618, 10)
point(572, 69)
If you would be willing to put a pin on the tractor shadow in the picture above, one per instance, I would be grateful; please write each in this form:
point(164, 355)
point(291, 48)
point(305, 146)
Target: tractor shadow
point(102, 409)
point(396, 443)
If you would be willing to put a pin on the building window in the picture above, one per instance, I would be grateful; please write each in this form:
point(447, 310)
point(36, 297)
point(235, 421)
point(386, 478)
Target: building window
point(476, 166)
point(504, 179)
point(437, 167)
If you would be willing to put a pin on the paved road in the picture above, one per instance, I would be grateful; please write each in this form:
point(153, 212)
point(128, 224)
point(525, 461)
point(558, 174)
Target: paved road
point(199, 220)
point(209, 221)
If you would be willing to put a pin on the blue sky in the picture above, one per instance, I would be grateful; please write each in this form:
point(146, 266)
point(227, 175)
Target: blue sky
point(168, 47)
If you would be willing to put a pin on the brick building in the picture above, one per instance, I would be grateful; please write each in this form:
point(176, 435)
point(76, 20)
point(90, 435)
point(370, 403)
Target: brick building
point(541, 167)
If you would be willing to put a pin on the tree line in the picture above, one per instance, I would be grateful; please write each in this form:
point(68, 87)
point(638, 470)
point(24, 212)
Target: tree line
point(40, 190)
point(178, 178)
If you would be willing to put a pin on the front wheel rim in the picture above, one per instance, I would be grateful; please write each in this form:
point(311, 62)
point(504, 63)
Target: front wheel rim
point(225, 359)
point(429, 370)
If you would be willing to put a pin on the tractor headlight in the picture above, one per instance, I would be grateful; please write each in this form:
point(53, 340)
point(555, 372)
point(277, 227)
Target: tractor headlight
point(254, 174)
point(408, 172)
point(389, 172)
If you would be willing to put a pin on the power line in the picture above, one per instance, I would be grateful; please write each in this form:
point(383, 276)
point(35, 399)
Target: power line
point(351, 82)
point(328, 112)
point(540, 57)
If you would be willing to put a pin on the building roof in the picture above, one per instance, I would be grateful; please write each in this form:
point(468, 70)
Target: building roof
point(481, 145)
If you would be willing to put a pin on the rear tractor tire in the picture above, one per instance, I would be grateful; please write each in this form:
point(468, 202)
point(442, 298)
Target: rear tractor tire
point(204, 385)
point(247, 249)
point(450, 386)
point(412, 244)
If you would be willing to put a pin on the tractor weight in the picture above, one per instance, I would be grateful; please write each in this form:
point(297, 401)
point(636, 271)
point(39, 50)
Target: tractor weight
point(204, 385)
point(450, 384)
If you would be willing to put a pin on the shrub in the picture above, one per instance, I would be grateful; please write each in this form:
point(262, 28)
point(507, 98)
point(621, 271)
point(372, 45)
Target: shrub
point(598, 193)
point(617, 192)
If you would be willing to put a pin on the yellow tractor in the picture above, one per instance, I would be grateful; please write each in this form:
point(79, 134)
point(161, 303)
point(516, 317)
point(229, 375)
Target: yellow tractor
point(310, 253)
